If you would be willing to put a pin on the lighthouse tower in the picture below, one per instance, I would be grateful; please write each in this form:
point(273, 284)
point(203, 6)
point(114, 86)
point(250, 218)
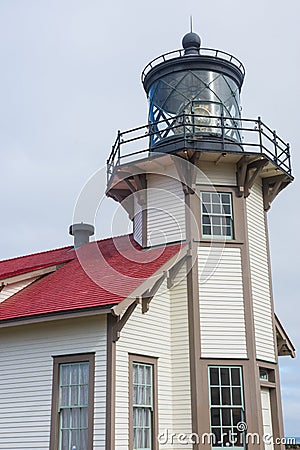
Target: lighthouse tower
point(201, 175)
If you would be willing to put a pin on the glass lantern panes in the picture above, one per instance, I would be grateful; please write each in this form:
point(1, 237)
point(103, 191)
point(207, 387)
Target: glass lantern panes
point(181, 99)
point(216, 215)
point(226, 406)
point(73, 406)
point(142, 406)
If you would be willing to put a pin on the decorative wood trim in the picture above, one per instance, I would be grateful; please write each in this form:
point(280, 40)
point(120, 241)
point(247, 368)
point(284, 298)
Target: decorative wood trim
point(110, 382)
point(173, 272)
point(246, 179)
point(149, 283)
point(271, 188)
point(130, 185)
point(150, 293)
point(120, 322)
point(284, 340)
point(54, 316)
point(28, 275)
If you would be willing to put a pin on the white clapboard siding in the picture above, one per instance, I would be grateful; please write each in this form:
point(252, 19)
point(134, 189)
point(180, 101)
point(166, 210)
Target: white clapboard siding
point(149, 335)
point(26, 378)
point(11, 289)
point(165, 210)
point(259, 267)
point(137, 222)
point(223, 174)
point(182, 416)
point(222, 317)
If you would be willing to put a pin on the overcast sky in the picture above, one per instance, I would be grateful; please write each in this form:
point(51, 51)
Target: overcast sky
point(70, 78)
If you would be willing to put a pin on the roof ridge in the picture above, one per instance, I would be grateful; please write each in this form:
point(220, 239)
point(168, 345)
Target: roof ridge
point(67, 247)
point(37, 253)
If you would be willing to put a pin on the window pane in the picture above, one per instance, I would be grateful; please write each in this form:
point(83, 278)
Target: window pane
point(215, 396)
point(205, 197)
point(235, 377)
point(74, 373)
point(215, 198)
point(84, 373)
point(225, 198)
point(64, 396)
point(207, 230)
point(65, 374)
point(216, 231)
point(65, 418)
point(214, 376)
point(225, 377)
point(65, 440)
point(226, 209)
point(217, 438)
point(215, 416)
point(225, 396)
point(216, 220)
point(216, 209)
point(236, 396)
point(236, 416)
point(226, 417)
point(226, 436)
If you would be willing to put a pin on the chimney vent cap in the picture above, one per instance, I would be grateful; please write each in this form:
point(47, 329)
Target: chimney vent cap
point(81, 232)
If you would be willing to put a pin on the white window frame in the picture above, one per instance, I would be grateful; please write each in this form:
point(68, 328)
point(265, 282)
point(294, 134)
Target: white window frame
point(215, 211)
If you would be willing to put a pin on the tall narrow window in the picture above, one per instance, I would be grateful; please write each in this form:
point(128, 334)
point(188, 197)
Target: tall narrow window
point(143, 408)
point(72, 405)
point(216, 215)
point(226, 406)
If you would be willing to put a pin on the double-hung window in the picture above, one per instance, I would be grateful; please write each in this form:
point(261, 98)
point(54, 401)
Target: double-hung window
point(226, 406)
point(143, 408)
point(72, 404)
point(217, 215)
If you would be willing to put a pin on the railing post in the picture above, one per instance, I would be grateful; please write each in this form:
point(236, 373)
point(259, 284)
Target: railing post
point(119, 147)
point(184, 126)
point(275, 146)
point(222, 130)
point(259, 134)
point(289, 158)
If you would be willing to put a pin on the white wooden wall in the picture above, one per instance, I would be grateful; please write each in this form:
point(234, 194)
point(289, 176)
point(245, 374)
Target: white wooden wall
point(137, 222)
point(222, 174)
point(222, 318)
point(26, 378)
point(11, 289)
point(165, 210)
point(259, 266)
point(162, 332)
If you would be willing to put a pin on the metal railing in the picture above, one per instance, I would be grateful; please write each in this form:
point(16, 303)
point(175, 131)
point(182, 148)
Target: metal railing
point(203, 133)
point(202, 52)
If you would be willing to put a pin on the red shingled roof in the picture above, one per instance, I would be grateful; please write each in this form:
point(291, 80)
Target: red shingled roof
point(99, 274)
point(23, 264)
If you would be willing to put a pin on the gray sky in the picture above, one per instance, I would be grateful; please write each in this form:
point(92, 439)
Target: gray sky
point(70, 77)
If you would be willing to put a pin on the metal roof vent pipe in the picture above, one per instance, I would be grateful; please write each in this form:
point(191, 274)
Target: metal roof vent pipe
point(81, 232)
